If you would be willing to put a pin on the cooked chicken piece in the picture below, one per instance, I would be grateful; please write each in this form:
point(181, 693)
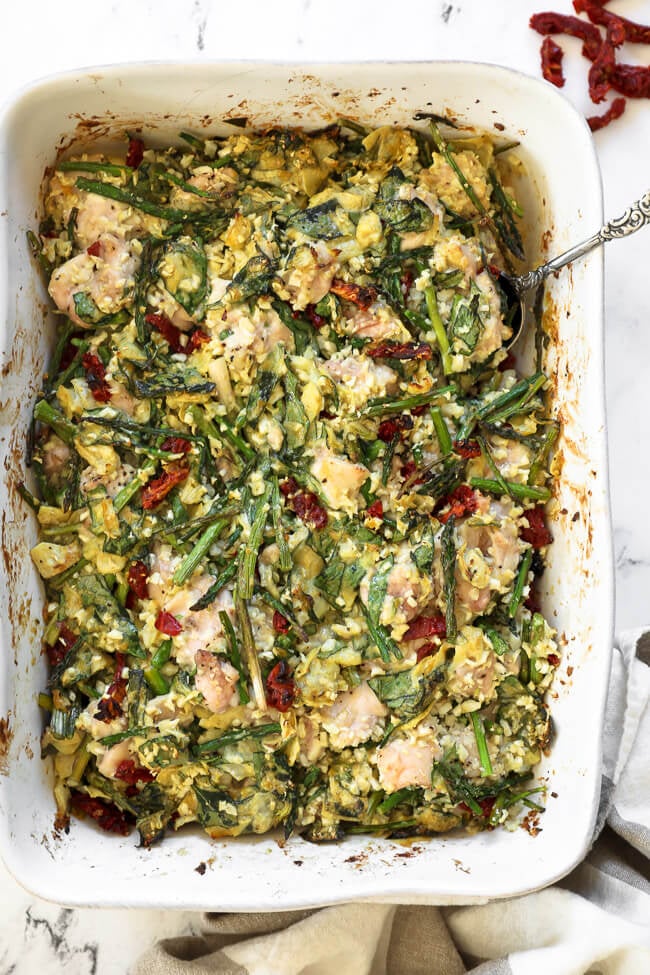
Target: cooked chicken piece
point(309, 277)
point(340, 479)
point(354, 717)
point(407, 762)
point(102, 285)
point(217, 680)
point(200, 627)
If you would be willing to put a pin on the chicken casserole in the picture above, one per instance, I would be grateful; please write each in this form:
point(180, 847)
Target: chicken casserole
point(291, 488)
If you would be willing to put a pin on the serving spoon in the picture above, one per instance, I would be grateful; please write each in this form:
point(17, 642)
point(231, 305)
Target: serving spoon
point(520, 289)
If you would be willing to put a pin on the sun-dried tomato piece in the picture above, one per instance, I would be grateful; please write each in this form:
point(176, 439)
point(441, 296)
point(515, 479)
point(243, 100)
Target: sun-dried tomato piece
point(462, 501)
point(376, 509)
point(426, 650)
point(537, 534)
point(197, 338)
point(408, 472)
point(69, 352)
point(401, 350)
point(280, 622)
point(169, 332)
point(154, 492)
point(312, 316)
point(630, 80)
point(107, 816)
point(631, 31)
point(601, 70)
point(109, 706)
point(553, 659)
point(552, 55)
point(394, 426)
point(358, 294)
point(486, 805)
point(467, 448)
point(127, 771)
point(508, 363)
point(532, 601)
point(426, 626)
point(136, 578)
point(96, 377)
point(134, 153)
point(388, 429)
point(176, 445)
point(407, 280)
point(168, 624)
point(65, 641)
point(289, 487)
point(554, 23)
point(309, 509)
point(280, 687)
point(95, 250)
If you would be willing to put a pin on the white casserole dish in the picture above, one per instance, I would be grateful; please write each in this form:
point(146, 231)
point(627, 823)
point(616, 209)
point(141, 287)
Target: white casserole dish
point(257, 873)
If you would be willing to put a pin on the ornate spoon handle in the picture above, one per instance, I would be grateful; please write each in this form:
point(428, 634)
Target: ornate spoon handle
point(635, 217)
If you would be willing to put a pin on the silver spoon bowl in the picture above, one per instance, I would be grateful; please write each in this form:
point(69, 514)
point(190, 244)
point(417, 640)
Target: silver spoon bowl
point(521, 289)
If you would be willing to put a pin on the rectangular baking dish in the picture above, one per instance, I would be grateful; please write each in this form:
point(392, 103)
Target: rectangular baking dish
point(564, 202)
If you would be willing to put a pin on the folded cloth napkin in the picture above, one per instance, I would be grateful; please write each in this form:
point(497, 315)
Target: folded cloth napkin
point(596, 920)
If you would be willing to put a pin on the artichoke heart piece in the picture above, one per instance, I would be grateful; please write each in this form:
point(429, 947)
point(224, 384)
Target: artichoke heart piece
point(183, 268)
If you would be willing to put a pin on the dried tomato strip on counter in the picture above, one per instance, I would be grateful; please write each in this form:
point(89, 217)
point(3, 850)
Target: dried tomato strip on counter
point(552, 55)
point(154, 492)
point(553, 23)
point(614, 111)
point(107, 816)
point(633, 32)
point(96, 377)
point(600, 71)
point(630, 80)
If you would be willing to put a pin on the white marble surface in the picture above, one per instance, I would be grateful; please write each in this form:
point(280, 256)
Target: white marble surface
point(39, 37)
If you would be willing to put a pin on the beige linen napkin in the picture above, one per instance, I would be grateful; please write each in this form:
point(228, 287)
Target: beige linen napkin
point(595, 922)
point(352, 939)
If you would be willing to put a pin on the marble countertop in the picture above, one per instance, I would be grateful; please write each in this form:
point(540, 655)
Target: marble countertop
point(39, 38)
